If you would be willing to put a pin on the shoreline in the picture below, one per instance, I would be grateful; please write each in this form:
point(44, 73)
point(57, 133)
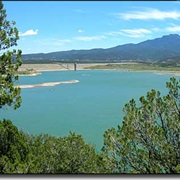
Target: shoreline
point(49, 84)
point(38, 68)
point(56, 67)
point(33, 74)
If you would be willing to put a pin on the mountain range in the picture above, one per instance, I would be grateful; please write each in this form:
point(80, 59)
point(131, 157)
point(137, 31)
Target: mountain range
point(158, 49)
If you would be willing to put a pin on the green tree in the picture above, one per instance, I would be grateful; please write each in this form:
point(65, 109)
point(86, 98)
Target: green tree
point(13, 149)
point(21, 153)
point(76, 156)
point(149, 139)
point(63, 155)
point(9, 62)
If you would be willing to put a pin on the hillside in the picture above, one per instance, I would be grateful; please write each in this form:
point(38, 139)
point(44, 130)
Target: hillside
point(159, 49)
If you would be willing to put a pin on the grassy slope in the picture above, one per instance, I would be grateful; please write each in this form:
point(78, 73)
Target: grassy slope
point(27, 72)
point(137, 67)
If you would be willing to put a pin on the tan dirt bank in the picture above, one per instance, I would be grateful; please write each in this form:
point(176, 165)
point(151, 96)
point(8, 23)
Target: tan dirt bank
point(56, 67)
point(79, 66)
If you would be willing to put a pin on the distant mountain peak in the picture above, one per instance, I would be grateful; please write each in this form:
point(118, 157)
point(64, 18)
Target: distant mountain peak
point(171, 36)
point(151, 50)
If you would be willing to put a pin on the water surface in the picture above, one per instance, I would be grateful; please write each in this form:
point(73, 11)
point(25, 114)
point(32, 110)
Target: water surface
point(88, 108)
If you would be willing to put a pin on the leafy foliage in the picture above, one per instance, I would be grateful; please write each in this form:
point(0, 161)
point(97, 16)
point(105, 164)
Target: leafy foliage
point(13, 148)
point(63, 155)
point(21, 153)
point(44, 154)
point(149, 139)
point(9, 62)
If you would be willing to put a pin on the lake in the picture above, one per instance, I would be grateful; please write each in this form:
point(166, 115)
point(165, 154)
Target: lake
point(88, 107)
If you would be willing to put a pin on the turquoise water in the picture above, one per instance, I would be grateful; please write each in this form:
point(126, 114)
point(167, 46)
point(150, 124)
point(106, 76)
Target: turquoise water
point(89, 107)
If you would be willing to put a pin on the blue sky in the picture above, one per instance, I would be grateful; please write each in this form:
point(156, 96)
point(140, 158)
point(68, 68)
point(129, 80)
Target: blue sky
point(51, 26)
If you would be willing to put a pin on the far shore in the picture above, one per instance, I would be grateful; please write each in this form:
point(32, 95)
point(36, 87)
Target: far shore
point(58, 66)
point(38, 68)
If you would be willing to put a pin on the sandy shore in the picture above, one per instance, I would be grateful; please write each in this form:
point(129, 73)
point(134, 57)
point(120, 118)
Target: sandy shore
point(170, 73)
point(33, 74)
point(48, 84)
point(56, 67)
point(38, 68)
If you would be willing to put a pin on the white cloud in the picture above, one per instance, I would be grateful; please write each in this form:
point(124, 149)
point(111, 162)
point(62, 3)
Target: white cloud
point(90, 38)
point(80, 31)
point(149, 14)
point(61, 42)
point(113, 33)
point(133, 33)
point(156, 29)
point(29, 33)
point(173, 29)
point(79, 11)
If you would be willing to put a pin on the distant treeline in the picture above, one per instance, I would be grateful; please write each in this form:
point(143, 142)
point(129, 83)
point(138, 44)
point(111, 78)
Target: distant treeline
point(159, 49)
